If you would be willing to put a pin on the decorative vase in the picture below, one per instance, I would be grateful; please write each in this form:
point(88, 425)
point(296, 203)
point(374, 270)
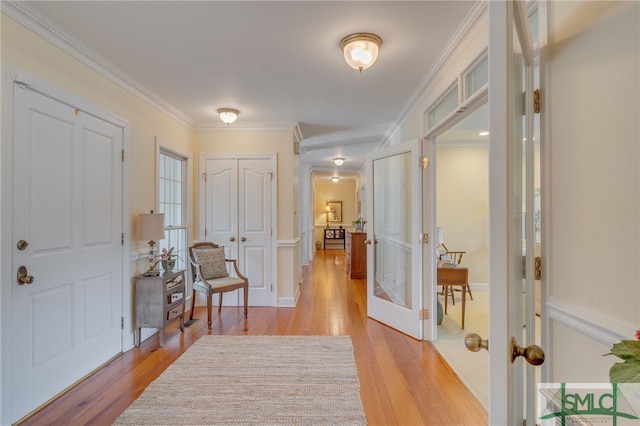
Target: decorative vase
point(168, 265)
point(358, 227)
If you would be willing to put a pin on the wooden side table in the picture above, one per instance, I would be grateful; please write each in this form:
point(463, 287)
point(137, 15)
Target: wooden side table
point(159, 300)
point(334, 234)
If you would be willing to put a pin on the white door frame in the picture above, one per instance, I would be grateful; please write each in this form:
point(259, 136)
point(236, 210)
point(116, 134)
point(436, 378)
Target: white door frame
point(10, 76)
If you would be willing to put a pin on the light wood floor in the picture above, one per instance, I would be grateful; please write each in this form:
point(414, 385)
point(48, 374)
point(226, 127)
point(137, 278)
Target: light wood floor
point(403, 381)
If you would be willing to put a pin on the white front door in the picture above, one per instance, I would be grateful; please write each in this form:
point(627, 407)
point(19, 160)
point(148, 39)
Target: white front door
point(67, 227)
point(238, 204)
point(394, 213)
point(512, 176)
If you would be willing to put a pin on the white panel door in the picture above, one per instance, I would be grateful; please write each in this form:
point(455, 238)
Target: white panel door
point(238, 216)
point(67, 206)
point(394, 276)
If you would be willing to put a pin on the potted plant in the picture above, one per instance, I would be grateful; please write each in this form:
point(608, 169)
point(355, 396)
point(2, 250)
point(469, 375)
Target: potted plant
point(627, 371)
point(168, 260)
point(359, 224)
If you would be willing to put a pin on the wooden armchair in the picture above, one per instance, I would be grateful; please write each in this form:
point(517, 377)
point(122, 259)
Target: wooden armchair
point(210, 276)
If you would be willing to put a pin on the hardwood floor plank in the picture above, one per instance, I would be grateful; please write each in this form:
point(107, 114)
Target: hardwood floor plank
point(403, 381)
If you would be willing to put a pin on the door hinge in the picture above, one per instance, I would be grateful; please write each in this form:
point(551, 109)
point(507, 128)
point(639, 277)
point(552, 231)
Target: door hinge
point(424, 314)
point(424, 238)
point(121, 323)
point(270, 287)
point(122, 239)
point(204, 177)
point(424, 162)
point(538, 268)
point(205, 233)
point(536, 101)
point(123, 155)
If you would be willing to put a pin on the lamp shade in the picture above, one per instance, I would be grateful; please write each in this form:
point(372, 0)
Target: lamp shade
point(152, 226)
point(360, 50)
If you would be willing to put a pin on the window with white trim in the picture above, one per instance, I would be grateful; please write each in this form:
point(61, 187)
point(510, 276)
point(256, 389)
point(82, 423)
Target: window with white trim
point(172, 201)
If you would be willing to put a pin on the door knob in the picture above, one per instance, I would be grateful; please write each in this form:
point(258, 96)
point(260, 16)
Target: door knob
point(22, 244)
point(232, 239)
point(243, 239)
point(23, 278)
point(474, 342)
point(367, 241)
point(532, 353)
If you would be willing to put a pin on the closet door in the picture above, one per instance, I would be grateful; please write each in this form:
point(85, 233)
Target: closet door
point(238, 216)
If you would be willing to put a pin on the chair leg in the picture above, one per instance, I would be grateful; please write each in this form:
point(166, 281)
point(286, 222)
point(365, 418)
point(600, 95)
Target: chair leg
point(464, 299)
point(446, 295)
point(193, 304)
point(209, 307)
point(469, 291)
point(219, 302)
point(246, 300)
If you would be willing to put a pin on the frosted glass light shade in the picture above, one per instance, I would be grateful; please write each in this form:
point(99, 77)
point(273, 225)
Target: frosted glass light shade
point(338, 161)
point(360, 50)
point(228, 115)
point(335, 179)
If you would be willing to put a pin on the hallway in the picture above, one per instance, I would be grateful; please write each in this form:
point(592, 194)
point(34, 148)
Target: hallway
point(403, 381)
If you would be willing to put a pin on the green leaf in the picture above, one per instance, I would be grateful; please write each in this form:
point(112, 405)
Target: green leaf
point(628, 350)
point(625, 372)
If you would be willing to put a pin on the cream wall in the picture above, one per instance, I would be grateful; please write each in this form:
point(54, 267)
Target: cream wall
point(325, 190)
point(593, 99)
point(462, 205)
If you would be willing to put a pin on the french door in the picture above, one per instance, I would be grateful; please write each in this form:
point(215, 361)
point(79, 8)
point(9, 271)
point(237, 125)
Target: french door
point(514, 214)
point(394, 206)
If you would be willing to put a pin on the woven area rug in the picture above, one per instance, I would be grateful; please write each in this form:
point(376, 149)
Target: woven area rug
point(255, 380)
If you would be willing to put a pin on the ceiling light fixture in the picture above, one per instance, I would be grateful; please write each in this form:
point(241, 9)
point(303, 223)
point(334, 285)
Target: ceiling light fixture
point(485, 133)
point(228, 115)
point(339, 161)
point(360, 50)
point(335, 179)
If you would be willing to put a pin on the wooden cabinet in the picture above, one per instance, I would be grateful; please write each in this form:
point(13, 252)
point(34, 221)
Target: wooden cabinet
point(159, 300)
point(356, 255)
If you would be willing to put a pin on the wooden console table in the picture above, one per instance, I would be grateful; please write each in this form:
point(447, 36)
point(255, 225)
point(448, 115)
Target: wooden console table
point(334, 234)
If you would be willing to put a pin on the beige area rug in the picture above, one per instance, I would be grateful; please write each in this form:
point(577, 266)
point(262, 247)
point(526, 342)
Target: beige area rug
point(255, 380)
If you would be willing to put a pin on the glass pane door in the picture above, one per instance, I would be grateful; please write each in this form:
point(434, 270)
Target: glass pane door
point(394, 279)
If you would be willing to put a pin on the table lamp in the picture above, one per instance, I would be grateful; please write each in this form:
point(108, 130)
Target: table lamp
point(152, 229)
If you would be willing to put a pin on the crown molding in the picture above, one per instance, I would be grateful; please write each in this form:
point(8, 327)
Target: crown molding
point(26, 15)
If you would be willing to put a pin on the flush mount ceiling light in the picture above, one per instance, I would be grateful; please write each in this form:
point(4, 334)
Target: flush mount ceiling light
point(228, 115)
point(335, 179)
point(339, 161)
point(360, 50)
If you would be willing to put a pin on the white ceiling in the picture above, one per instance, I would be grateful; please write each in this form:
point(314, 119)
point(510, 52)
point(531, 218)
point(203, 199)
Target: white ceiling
point(278, 62)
